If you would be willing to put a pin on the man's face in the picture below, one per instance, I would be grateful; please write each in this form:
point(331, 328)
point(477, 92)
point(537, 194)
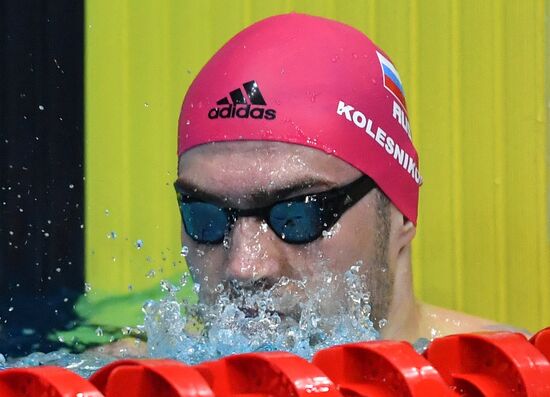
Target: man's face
point(250, 174)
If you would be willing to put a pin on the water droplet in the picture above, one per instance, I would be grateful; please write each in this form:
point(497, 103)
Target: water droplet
point(328, 234)
point(196, 288)
point(130, 287)
point(434, 333)
point(139, 244)
point(284, 280)
point(263, 226)
point(335, 58)
point(10, 309)
point(315, 321)
point(46, 234)
point(71, 186)
point(112, 235)
point(188, 122)
point(107, 212)
point(184, 250)
point(41, 107)
point(146, 104)
point(99, 331)
point(219, 288)
point(148, 306)
point(382, 323)
point(421, 344)
point(150, 274)
point(58, 269)
point(87, 287)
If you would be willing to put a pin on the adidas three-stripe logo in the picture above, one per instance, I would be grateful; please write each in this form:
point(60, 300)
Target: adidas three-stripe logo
point(252, 105)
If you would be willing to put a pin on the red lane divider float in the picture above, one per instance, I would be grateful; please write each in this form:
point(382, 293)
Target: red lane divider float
point(272, 374)
point(44, 382)
point(495, 364)
point(541, 340)
point(491, 364)
point(147, 378)
point(381, 369)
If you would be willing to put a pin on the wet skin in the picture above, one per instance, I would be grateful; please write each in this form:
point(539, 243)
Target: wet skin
point(248, 174)
point(253, 174)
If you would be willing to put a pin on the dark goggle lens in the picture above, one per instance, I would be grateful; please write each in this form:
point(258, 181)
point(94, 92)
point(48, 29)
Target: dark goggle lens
point(204, 222)
point(297, 222)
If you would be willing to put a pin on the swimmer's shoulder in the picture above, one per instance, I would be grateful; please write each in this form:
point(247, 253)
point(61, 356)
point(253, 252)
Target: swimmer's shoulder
point(438, 321)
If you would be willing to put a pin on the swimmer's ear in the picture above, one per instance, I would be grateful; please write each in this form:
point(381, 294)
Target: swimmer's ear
point(403, 229)
point(408, 227)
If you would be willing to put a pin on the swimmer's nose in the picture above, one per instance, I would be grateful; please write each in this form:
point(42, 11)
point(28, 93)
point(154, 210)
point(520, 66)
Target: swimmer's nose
point(253, 252)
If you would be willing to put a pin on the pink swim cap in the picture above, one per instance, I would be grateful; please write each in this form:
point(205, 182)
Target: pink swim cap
point(310, 81)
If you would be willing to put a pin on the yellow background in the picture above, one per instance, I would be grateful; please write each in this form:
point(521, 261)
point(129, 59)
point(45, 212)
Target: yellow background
point(476, 76)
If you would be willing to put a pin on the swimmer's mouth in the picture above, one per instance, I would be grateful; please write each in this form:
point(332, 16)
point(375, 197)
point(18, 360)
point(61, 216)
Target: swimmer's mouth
point(249, 312)
point(253, 312)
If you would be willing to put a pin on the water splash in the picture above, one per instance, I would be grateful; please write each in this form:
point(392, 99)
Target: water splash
point(287, 316)
point(84, 364)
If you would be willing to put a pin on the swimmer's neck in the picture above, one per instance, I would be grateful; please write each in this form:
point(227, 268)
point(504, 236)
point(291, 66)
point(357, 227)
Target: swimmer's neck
point(410, 319)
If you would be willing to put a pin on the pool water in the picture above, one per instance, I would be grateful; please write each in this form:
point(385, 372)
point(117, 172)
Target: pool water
point(241, 320)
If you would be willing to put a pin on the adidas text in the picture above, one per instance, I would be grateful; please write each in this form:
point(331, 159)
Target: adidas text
point(242, 112)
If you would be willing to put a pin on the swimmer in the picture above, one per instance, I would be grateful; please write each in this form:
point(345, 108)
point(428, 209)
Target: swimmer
point(295, 153)
point(295, 149)
point(296, 158)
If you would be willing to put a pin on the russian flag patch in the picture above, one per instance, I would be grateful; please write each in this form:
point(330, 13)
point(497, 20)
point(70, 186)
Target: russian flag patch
point(392, 81)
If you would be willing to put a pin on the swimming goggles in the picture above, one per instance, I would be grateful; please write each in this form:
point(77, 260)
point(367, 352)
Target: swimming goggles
point(296, 220)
